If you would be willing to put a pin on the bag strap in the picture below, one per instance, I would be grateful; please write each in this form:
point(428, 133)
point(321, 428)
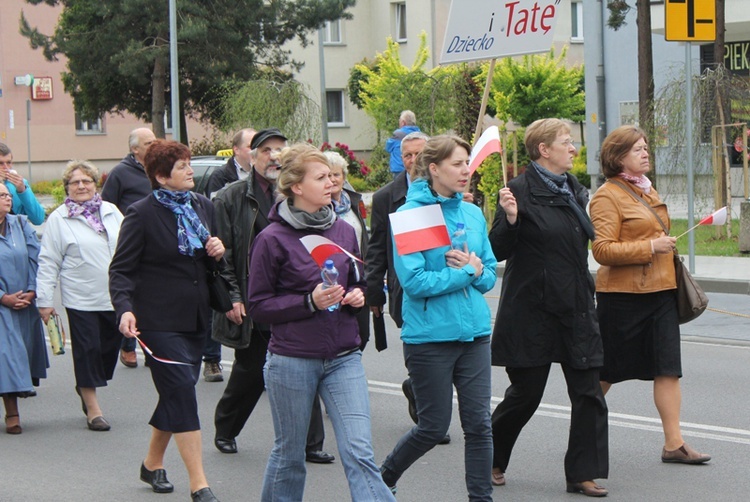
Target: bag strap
point(640, 199)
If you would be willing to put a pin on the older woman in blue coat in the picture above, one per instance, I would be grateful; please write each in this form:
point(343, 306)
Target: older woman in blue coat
point(23, 355)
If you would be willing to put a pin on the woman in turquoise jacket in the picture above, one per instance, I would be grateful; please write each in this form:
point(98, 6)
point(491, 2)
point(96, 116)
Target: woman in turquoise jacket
point(447, 321)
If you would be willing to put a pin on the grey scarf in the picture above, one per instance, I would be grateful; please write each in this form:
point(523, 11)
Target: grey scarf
point(302, 220)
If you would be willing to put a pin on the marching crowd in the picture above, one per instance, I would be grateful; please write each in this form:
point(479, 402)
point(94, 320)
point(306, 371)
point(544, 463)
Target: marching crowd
point(138, 264)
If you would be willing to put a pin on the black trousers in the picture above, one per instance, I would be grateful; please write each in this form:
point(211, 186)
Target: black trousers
point(587, 457)
point(95, 341)
point(244, 388)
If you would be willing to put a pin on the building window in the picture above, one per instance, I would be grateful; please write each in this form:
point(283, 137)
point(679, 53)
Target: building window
point(399, 29)
point(576, 20)
point(335, 108)
point(89, 125)
point(332, 32)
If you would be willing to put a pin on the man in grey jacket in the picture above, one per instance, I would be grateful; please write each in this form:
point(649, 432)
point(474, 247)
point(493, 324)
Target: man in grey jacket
point(241, 210)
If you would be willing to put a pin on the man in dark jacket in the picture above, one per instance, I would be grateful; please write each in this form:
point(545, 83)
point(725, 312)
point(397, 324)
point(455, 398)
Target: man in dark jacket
point(127, 183)
point(238, 167)
point(241, 213)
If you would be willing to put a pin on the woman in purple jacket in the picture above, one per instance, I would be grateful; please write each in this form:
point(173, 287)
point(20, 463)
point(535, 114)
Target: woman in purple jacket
point(312, 350)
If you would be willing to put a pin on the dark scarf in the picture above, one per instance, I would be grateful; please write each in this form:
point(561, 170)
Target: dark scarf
point(558, 184)
point(302, 220)
point(89, 210)
point(191, 234)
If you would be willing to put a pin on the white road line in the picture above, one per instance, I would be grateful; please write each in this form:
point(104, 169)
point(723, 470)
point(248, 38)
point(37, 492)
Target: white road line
point(638, 422)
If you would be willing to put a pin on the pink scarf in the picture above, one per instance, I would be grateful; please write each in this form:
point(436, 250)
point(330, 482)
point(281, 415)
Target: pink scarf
point(641, 181)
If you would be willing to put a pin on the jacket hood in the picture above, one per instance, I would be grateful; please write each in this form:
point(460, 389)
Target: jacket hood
point(420, 192)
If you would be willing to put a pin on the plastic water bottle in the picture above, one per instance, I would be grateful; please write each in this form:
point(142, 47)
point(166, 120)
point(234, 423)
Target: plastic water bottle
point(458, 239)
point(330, 277)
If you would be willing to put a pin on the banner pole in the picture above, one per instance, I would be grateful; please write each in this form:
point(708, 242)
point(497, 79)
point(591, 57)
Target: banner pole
point(483, 108)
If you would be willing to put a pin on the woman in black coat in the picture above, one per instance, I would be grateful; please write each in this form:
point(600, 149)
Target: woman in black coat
point(158, 286)
point(547, 312)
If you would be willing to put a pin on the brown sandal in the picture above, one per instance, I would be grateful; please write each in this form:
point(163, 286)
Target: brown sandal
point(12, 429)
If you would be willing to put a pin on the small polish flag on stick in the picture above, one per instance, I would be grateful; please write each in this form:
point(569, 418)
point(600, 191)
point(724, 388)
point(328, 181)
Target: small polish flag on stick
point(717, 218)
point(321, 248)
point(489, 142)
point(419, 229)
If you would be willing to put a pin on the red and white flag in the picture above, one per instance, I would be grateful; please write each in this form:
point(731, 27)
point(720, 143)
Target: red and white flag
point(419, 229)
point(489, 142)
point(322, 249)
point(718, 217)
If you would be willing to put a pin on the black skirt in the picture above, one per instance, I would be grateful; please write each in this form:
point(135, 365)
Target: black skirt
point(640, 335)
point(177, 409)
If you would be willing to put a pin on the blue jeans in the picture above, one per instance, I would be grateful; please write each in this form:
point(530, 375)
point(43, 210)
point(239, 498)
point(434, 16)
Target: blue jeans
point(434, 369)
point(292, 384)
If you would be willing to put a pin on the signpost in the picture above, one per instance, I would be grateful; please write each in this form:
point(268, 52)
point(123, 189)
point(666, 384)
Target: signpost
point(685, 21)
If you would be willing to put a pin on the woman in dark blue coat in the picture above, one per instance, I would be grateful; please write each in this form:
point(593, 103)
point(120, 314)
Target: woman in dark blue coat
point(159, 291)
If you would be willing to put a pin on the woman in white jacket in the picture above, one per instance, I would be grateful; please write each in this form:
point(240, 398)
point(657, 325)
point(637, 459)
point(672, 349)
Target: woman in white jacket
point(78, 243)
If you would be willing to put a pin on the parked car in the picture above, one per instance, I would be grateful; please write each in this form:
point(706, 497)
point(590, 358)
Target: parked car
point(204, 165)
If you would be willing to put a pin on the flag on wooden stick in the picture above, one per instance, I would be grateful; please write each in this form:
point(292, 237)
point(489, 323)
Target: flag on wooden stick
point(718, 217)
point(489, 142)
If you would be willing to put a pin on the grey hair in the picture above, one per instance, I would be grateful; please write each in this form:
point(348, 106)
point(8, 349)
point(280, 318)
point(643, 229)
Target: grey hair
point(414, 136)
point(336, 159)
point(4, 150)
point(408, 117)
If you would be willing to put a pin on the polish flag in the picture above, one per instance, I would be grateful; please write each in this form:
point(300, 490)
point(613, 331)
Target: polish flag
point(419, 229)
point(718, 217)
point(489, 142)
point(322, 249)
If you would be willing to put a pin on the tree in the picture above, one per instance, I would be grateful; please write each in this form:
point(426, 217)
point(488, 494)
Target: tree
point(537, 86)
point(618, 9)
point(387, 87)
point(118, 50)
point(267, 103)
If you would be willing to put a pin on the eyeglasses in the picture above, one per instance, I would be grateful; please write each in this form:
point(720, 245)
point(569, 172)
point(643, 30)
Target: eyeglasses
point(567, 143)
point(79, 182)
point(5, 196)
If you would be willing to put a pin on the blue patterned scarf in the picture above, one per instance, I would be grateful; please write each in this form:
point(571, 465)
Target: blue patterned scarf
point(89, 210)
point(191, 234)
point(342, 206)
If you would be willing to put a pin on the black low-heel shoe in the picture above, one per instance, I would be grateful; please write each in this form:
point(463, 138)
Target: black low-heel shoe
point(157, 479)
point(204, 495)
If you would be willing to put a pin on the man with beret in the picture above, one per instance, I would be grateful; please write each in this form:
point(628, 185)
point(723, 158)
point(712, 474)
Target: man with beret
point(241, 210)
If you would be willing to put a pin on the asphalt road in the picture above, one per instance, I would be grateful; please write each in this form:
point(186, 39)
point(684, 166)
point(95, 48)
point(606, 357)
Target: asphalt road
point(58, 459)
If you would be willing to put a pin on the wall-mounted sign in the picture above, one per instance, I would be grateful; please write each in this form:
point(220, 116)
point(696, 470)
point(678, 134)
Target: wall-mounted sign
point(41, 88)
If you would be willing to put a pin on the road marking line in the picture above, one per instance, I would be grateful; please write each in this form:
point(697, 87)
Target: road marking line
point(638, 422)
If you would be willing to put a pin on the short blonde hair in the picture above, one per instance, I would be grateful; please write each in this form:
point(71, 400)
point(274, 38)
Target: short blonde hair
point(436, 150)
point(543, 131)
point(294, 161)
point(86, 167)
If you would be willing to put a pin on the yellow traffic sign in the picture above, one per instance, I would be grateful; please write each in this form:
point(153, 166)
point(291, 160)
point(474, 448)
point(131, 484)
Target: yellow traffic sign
point(690, 20)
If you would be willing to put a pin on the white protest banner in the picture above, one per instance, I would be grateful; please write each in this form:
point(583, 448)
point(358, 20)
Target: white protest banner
point(488, 29)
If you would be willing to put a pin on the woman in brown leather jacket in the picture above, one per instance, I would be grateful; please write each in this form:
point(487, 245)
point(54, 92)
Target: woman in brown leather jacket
point(635, 286)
